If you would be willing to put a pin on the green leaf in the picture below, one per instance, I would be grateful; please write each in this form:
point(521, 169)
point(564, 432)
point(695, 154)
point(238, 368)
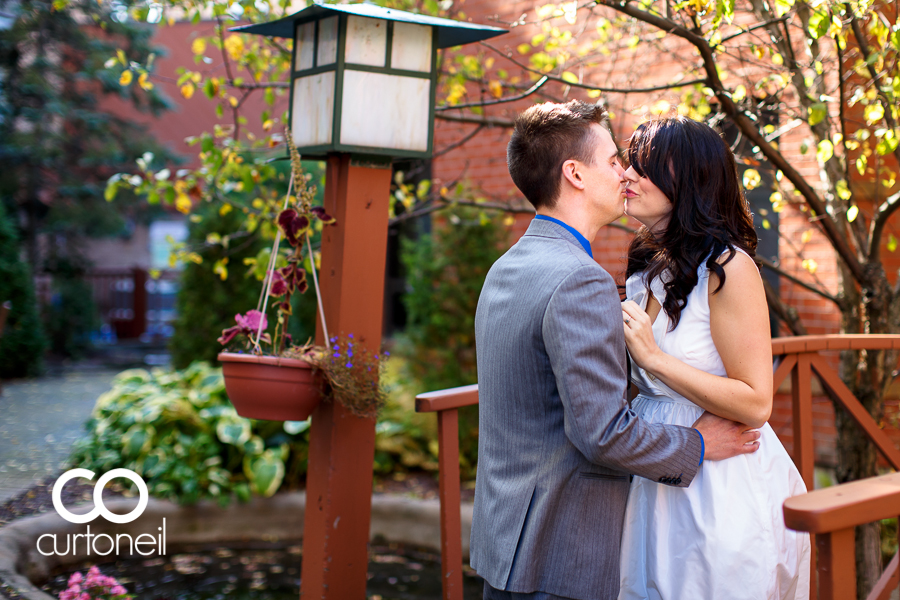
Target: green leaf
point(209, 88)
point(892, 243)
point(110, 192)
point(569, 77)
point(817, 113)
point(265, 473)
point(819, 22)
point(234, 431)
point(137, 440)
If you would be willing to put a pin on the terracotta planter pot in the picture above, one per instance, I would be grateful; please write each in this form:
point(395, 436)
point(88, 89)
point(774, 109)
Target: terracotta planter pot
point(271, 388)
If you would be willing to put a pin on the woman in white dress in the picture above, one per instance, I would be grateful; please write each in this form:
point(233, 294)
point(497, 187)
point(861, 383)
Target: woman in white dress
point(697, 329)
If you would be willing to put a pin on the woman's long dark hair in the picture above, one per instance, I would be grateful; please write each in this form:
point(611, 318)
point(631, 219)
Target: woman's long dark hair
point(695, 169)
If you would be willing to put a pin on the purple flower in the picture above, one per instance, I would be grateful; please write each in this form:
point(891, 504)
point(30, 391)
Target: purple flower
point(337, 347)
point(387, 353)
point(350, 336)
point(349, 353)
point(349, 365)
point(336, 355)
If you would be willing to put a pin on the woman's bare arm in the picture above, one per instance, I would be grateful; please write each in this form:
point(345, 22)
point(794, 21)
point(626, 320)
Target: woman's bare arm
point(739, 323)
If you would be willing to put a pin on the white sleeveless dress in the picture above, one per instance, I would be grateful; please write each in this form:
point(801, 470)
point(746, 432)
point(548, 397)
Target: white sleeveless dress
point(723, 537)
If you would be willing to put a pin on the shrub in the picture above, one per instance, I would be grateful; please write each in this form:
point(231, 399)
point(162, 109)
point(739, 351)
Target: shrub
point(178, 430)
point(71, 315)
point(445, 274)
point(22, 342)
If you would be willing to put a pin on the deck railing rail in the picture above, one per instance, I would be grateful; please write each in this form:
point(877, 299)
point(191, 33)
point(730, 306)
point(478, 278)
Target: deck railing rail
point(831, 513)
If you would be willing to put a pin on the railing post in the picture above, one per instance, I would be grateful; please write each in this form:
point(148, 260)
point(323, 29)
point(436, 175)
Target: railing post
point(801, 390)
point(451, 526)
point(837, 564)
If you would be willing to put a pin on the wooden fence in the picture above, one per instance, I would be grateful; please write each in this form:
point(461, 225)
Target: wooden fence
point(831, 513)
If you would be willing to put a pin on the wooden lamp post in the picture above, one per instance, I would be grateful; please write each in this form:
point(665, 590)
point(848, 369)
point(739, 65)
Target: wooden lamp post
point(363, 84)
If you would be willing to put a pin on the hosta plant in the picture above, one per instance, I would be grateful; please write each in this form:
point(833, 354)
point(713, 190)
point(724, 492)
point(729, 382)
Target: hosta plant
point(178, 430)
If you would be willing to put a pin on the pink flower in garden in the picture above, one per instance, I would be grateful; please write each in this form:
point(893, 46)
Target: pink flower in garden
point(84, 596)
point(118, 590)
point(76, 578)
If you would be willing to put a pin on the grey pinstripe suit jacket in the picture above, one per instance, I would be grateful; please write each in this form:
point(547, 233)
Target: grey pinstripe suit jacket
point(557, 439)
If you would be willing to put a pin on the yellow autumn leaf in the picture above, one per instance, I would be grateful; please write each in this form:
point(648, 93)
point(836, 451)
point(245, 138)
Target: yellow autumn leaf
point(187, 90)
point(495, 88)
point(198, 46)
point(183, 203)
point(810, 265)
point(852, 213)
point(740, 92)
point(268, 124)
point(226, 208)
point(752, 179)
point(843, 191)
point(807, 235)
point(509, 220)
point(234, 46)
point(125, 78)
point(777, 59)
point(144, 82)
point(825, 151)
point(232, 101)
point(892, 243)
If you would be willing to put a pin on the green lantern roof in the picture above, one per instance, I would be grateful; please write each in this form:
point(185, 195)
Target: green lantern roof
point(449, 32)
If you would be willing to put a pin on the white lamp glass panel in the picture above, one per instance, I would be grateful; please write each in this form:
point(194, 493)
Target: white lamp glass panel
point(385, 111)
point(328, 37)
point(411, 47)
point(366, 41)
point(313, 109)
point(303, 46)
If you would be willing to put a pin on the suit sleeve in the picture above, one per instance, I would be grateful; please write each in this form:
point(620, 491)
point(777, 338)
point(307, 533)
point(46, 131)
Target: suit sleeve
point(583, 334)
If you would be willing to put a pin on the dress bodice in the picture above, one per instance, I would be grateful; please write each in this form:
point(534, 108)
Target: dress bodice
point(690, 342)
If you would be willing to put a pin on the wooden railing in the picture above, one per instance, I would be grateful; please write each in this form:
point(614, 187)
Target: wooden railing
point(815, 512)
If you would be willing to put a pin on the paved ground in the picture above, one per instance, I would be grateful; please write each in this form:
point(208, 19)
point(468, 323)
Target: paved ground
point(39, 421)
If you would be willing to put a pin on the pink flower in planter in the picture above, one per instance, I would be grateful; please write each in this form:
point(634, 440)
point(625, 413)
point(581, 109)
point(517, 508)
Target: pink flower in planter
point(247, 325)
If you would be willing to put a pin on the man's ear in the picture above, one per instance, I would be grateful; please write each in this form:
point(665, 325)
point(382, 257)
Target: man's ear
point(571, 170)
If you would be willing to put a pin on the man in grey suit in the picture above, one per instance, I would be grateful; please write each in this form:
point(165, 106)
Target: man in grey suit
point(557, 440)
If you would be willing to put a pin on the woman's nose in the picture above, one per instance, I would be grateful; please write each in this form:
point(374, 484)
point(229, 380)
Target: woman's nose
point(631, 174)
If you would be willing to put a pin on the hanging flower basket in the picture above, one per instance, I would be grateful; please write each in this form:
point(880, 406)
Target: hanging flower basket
point(271, 387)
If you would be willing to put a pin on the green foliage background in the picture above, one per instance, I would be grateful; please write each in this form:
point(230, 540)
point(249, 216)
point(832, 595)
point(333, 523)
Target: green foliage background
point(445, 271)
point(22, 342)
point(206, 304)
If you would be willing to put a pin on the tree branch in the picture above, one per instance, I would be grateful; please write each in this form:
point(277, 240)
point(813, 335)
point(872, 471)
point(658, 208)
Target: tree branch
point(540, 82)
point(749, 128)
point(781, 19)
point(796, 280)
point(787, 314)
point(487, 121)
point(459, 143)
point(658, 88)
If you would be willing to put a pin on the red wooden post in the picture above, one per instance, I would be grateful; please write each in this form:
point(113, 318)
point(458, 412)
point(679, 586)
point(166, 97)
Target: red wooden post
point(342, 447)
point(837, 564)
point(801, 390)
point(451, 527)
point(139, 302)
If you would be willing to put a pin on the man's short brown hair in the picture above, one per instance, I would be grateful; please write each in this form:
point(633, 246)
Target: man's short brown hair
point(545, 136)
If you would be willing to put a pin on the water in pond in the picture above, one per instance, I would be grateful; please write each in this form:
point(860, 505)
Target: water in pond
point(263, 571)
